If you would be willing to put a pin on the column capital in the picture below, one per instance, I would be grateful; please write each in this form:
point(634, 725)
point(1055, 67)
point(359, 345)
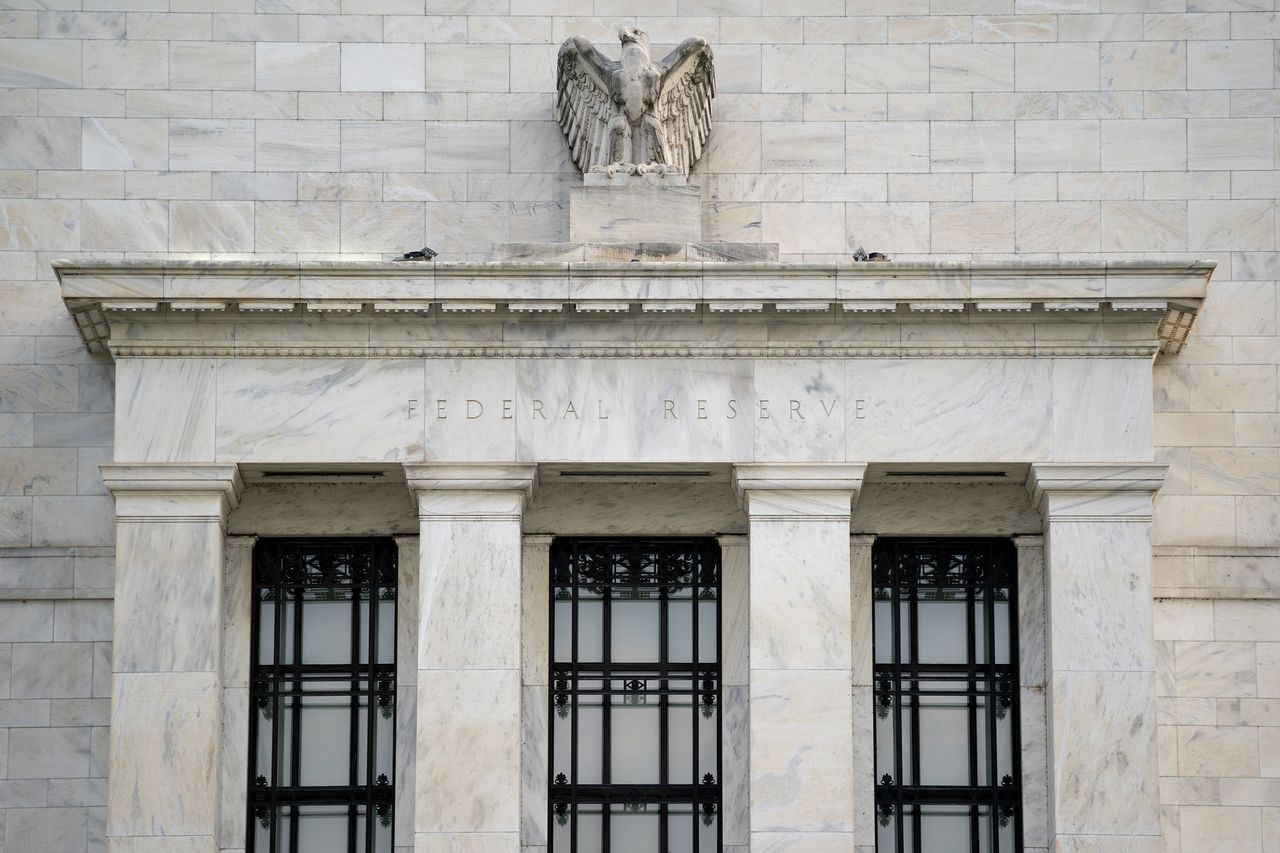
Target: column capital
point(471, 492)
point(812, 491)
point(174, 492)
point(1094, 491)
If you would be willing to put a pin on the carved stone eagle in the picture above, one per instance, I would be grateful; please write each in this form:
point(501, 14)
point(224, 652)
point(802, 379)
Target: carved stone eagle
point(635, 116)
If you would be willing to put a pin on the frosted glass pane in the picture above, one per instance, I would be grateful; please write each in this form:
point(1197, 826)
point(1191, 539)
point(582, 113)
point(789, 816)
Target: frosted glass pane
point(325, 735)
point(707, 631)
point(1002, 631)
point(266, 632)
point(322, 829)
point(590, 829)
point(634, 736)
point(633, 832)
point(635, 632)
point(944, 829)
point(386, 631)
point(680, 631)
point(564, 631)
point(944, 740)
point(884, 631)
point(680, 741)
point(326, 632)
point(590, 631)
point(590, 736)
point(680, 831)
point(943, 631)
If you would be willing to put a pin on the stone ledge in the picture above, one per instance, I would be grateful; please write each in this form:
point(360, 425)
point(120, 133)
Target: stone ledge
point(96, 291)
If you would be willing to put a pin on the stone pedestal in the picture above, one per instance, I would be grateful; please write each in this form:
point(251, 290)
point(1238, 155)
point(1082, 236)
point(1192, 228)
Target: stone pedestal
point(1103, 786)
point(468, 753)
point(166, 675)
point(801, 654)
point(624, 211)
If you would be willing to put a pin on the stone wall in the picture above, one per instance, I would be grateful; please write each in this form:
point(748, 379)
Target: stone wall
point(937, 128)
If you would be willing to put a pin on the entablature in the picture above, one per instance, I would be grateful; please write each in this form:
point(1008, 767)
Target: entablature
point(798, 301)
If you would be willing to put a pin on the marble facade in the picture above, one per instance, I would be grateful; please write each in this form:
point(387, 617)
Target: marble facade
point(475, 411)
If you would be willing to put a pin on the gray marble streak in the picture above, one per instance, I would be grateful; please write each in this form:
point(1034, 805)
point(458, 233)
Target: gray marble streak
point(862, 653)
point(864, 765)
point(951, 509)
point(237, 610)
point(735, 613)
point(162, 784)
point(406, 759)
point(297, 509)
point(467, 842)
point(736, 781)
point(577, 508)
point(164, 410)
point(169, 579)
point(801, 842)
point(407, 603)
point(533, 764)
point(808, 404)
point(292, 410)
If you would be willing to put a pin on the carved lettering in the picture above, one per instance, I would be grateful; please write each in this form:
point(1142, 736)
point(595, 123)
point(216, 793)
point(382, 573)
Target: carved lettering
point(826, 408)
point(441, 413)
point(474, 406)
point(537, 409)
point(764, 410)
point(507, 414)
point(859, 409)
point(601, 414)
point(570, 410)
point(702, 410)
point(795, 410)
point(413, 407)
point(733, 410)
point(669, 410)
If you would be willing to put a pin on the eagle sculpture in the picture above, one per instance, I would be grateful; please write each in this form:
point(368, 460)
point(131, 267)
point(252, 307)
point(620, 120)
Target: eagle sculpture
point(635, 116)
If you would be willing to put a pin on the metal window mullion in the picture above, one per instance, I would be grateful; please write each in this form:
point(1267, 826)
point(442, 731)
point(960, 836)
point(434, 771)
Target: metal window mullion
point(353, 744)
point(295, 736)
point(664, 711)
point(694, 656)
point(572, 700)
point(370, 704)
point(719, 710)
point(970, 603)
point(606, 711)
point(913, 639)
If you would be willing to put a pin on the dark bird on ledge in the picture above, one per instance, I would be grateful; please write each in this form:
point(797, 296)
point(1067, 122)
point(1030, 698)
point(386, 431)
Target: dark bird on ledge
point(424, 254)
point(862, 255)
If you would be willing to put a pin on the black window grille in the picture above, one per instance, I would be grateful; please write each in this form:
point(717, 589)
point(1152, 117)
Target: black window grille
point(635, 700)
point(946, 696)
point(322, 696)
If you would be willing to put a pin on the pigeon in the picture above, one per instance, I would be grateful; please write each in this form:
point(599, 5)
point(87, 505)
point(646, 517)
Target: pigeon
point(424, 254)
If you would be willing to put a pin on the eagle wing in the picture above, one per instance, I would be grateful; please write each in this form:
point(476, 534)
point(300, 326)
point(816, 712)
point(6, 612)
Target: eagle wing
point(582, 99)
point(684, 101)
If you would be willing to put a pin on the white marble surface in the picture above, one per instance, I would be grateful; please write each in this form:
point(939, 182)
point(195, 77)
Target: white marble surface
point(300, 509)
point(945, 509)
point(164, 734)
point(293, 410)
point(572, 507)
point(535, 591)
point(164, 410)
point(1099, 597)
point(801, 780)
point(169, 579)
point(1104, 753)
point(800, 597)
point(659, 410)
point(534, 741)
point(468, 750)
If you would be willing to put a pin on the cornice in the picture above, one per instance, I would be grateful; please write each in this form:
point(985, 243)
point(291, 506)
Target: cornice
point(100, 292)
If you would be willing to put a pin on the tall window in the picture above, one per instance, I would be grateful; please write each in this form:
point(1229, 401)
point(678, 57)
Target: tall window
point(635, 700)
point(946, 696)
point(322, 696)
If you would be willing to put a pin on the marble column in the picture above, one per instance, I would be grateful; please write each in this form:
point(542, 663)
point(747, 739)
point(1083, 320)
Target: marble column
point(863, 677)
point(237, 618)
point(801, 654)
point(535, 617)
point(166, 683)
point(469, 665)
point(1103, 786)
point(735, 663)
point(407, 560)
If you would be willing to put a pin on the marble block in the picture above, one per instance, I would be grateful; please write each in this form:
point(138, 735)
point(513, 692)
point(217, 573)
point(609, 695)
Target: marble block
point(635, 213)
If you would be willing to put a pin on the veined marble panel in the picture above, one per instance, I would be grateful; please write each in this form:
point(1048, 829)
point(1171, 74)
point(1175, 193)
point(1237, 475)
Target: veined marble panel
point(168, 578)
point(467, 842)
point(1104, 753)
point(1101, 410)
point(469, 594)
point(469, 751)
point(572, 507)
point(945, 509)
point(535, 580)
point(652, 410)
point(164, 410)
point(800, 596)
point(801, 751)
point(735, 741)
point(533, 764)
point(305, 509)
point(1099, 597)
point(162, 784)
point(296, 410)
point(991, 410)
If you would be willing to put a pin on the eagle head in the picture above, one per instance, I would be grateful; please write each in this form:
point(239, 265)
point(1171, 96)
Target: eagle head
point(634, 35)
